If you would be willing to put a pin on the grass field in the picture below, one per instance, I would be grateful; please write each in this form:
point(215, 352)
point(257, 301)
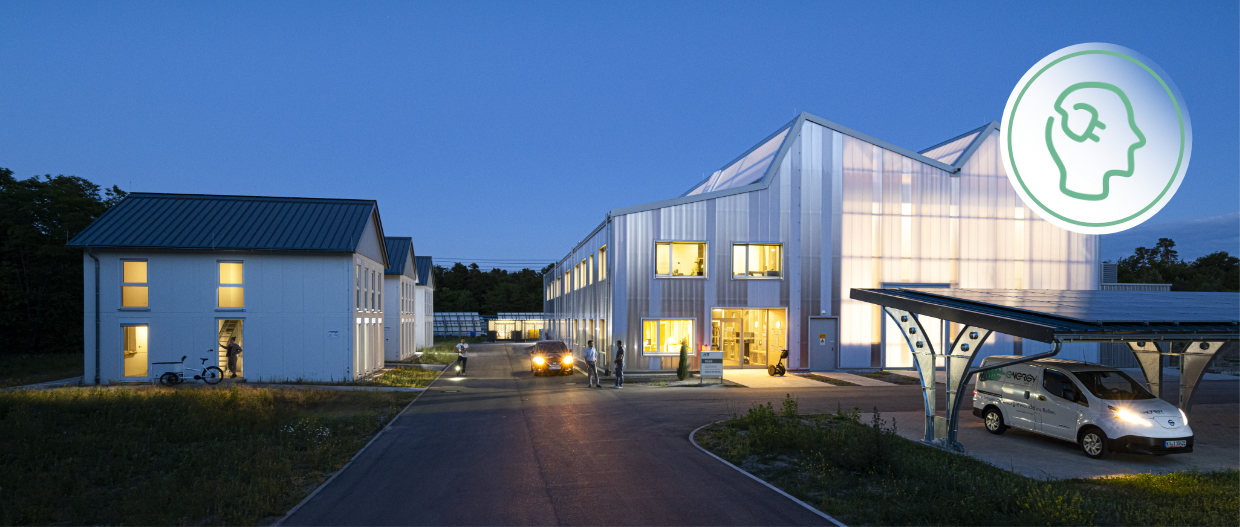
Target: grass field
point(157, 456)
point(867, 475)
point(405, 378)
point(22, 369)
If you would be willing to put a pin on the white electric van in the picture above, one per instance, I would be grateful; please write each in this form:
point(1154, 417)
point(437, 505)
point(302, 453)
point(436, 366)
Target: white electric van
point(1100, 408)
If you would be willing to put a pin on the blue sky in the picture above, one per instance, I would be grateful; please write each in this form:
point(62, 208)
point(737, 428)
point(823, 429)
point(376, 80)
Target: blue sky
point(506, 130)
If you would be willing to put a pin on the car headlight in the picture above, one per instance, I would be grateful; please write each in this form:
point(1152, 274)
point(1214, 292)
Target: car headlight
point(568, 359)
point(1184, 416)
point(540, 361)
point(1126, 416)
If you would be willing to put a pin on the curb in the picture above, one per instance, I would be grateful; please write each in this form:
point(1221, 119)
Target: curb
point(759, 480)
point(305, 500)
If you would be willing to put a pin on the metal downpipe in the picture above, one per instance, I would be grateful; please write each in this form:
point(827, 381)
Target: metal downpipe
point(91, 254)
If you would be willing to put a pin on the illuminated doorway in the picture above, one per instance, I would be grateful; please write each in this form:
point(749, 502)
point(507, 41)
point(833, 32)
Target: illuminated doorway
point(749, 337)
point(229, 329)
point(135, 350)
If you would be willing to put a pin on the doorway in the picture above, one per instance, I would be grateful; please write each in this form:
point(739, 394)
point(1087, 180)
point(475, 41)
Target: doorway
point(229, 329)
point(823, 343)
point(135, 350)
point(749, 337)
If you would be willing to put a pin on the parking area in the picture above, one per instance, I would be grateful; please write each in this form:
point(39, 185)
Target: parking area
point(1215, 420)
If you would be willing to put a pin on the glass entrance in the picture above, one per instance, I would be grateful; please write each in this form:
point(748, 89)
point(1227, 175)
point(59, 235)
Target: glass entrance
point(749, 337)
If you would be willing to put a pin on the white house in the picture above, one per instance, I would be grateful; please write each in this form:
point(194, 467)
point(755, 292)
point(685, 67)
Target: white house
point(297, 281)
point(424, 303)
point(400, 313)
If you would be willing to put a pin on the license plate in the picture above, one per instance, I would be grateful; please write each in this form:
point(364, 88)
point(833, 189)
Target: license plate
point(1176, 444)
point(555, 366)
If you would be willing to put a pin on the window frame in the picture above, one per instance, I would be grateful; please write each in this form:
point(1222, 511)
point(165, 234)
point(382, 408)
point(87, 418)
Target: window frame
point(692, 337)
point(783, 262)
point(147, 284)
point(220, 285)
point(654, 261)
point(602, 263)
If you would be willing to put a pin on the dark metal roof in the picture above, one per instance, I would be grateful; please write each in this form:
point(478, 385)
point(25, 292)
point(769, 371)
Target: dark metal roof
point(398, 249)
point(424, 269)
point(229, 222)
point(1095, 316)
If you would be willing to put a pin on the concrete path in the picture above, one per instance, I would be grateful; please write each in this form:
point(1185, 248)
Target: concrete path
point(760, 379)
point(859, 380)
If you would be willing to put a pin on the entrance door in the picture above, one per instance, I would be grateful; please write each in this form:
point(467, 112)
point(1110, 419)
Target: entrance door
point(823, 343)
point(730, 340)
point(135, 350)
point(229, 329)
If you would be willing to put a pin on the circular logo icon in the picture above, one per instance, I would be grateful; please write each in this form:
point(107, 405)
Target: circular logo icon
point(1096, 138)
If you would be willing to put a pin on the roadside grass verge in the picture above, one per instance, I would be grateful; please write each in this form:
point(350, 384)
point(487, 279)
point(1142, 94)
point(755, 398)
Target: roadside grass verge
point(824, 378)
point(399, 377)
point(31, 368)
point(893, 378)
point(866, 474)
point(159, 456)
point(433, 356)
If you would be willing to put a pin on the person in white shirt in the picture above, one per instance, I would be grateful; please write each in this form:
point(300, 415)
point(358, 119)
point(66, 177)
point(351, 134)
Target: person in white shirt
point(462, 349)
point(591, 356)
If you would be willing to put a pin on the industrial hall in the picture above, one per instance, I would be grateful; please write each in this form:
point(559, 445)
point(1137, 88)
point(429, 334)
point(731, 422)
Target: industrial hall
point(760, 256)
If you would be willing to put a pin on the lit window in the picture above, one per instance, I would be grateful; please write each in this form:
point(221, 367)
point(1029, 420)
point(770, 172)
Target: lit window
point(357, 287)
point(680, 259)
point(134, 349)
point(133, 284)
point(232, 286)
point(753, 260)
point(591, 268)
point(602, 263)
point(664, 336)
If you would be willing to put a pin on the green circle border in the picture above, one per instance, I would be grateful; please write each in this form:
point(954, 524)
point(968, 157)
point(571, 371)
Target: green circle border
point(1012, 156)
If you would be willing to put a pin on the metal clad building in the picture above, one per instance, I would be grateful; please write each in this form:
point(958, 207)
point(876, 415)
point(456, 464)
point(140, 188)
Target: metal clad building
point(760, 256)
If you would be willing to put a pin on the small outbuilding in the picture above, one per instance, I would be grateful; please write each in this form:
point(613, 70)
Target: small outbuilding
point(297, 282)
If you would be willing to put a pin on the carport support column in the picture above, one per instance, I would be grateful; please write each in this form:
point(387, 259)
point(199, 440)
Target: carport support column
point(1149, 357)
point(1196, 356)
point(959, 362)
point(923, 354)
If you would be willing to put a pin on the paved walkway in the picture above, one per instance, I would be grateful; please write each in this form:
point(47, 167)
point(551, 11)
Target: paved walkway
point(760, 379)
point(859, 380)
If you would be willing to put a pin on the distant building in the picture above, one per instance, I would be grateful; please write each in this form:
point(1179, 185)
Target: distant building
point(761, 256)
point(297, 281)
point(400, 311)
point(424, 303)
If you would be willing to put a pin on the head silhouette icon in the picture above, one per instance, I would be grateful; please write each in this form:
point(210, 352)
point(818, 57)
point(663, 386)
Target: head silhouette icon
point(1092, 137)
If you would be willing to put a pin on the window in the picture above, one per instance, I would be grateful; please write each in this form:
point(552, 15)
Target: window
point(1113, 386)
point(754, 260)
point(1058, 385)
point(680, 259)
point(134, 349)
point(232, 286)
point(133, 284)
point(602, 263)
point(357, 287)
point(591, 267)
point(664, 336)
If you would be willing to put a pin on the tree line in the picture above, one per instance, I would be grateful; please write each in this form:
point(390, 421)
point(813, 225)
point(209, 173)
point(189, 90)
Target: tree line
point(40, 279)
point(470, 289)
point(1161, 264)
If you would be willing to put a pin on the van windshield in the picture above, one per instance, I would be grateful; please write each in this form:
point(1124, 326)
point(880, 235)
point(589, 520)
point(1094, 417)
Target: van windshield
point(1113, 386)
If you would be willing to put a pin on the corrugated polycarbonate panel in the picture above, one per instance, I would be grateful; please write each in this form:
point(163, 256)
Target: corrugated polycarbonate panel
point(744, 171)
point(950, 151)
point(229, 222)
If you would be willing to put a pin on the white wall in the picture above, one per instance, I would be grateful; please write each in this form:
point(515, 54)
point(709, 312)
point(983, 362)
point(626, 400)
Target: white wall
point(399, 316)
point(424, 318)
point(297, 312)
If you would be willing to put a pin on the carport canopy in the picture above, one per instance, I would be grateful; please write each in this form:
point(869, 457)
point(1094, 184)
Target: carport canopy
point(1154, 324)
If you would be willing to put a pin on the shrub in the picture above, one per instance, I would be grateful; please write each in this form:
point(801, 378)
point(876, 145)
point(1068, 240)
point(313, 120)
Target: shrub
point(682, 371)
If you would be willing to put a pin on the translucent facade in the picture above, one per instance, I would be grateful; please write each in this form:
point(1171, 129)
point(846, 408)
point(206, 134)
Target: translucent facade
point(836, 210)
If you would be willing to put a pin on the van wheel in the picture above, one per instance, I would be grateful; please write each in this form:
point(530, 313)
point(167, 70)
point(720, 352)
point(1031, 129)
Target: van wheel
point(994, 421)
point(1094, 443)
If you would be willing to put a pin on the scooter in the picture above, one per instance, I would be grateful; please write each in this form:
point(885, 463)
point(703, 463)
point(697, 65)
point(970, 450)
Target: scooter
point(778, 368)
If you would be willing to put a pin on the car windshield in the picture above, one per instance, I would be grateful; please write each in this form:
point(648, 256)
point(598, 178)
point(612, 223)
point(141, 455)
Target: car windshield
point(1113, 386)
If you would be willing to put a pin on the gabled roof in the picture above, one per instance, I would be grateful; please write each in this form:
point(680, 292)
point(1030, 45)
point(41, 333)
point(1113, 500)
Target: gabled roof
point(196, 221)
point(399, 249)
point(957, 150)
point(424, 270)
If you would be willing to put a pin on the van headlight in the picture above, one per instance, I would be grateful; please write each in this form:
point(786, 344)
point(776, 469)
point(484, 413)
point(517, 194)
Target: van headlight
point(1129, 417)
point(1184, 416)
point(540, 361)
point(568, 359)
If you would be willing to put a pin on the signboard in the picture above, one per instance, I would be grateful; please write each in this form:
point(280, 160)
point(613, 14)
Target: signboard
point(822, 339)
point(712, 364)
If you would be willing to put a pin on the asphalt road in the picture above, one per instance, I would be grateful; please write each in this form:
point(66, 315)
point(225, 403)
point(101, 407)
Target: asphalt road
point(501, 447)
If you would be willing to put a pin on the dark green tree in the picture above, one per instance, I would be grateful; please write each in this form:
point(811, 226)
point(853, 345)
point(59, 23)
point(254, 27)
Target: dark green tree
point(1218, 271)
point(682, 370)
point(41, 280)
point(467, 288)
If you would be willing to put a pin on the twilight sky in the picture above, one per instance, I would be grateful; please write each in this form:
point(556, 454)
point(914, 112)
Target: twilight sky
point(506, 130)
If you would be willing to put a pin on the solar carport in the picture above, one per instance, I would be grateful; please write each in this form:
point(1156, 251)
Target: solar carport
point(1192, 326)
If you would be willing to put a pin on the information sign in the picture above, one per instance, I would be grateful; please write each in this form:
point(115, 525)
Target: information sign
point(712, 364)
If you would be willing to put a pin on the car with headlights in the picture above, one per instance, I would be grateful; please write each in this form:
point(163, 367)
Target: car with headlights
point(1100, 408)
point(550, 357)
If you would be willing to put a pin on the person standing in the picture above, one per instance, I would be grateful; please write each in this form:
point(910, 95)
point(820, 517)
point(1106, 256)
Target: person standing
point(232, 351)
point(618, 364)
point(462, 349)
point(591, 356)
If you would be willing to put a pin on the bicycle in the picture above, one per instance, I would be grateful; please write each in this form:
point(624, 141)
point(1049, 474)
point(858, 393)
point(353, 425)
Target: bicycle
point(210, 374)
